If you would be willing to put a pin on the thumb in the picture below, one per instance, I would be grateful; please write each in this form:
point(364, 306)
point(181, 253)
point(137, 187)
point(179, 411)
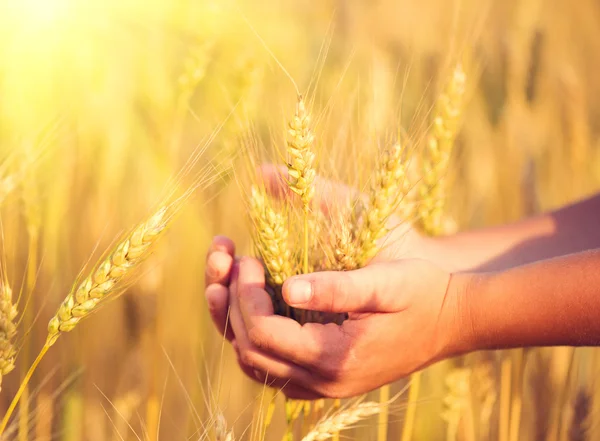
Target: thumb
point(374, 288)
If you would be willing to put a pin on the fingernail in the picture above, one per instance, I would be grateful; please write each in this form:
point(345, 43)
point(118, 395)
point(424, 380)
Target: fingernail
point(300, 291)
point(211, 267)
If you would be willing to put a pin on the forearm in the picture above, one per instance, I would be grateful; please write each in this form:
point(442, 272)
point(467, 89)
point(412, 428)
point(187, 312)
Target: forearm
point(547, 303)
point(569, 230)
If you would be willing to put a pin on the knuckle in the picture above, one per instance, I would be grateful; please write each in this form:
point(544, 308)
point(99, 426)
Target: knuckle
point(341, 286)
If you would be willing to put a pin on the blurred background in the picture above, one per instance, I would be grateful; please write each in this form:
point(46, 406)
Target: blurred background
point(103, 102)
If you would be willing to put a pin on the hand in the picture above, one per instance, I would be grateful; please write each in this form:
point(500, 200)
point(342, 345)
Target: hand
point(401, 243)
point(403, 316)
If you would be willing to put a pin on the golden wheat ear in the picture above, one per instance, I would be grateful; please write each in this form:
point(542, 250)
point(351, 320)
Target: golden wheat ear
point(440, 141)
point(270, 236)
point(98, 286)
point(388, 189)
point(301, 169)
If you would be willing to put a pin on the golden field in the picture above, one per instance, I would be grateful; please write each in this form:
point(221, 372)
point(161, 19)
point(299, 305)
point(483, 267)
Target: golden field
point(110, 109)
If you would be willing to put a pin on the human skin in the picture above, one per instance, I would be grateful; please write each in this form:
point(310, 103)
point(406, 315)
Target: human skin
point(532, 283)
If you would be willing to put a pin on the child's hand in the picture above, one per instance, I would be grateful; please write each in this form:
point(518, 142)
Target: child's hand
point(403, 316)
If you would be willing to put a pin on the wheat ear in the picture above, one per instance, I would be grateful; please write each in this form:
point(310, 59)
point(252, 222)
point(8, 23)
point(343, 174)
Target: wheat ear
point(8, 329)
point(440, 141)
point(271, 237)
point(301, 169)
point(344, 248)
point(101, 283)
point(96, 288)
point(388, 188)
point(343, 419)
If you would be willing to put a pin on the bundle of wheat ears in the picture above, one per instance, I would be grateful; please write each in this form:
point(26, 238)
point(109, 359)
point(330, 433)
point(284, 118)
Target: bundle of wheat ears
point(351, 231)
point(361, 222)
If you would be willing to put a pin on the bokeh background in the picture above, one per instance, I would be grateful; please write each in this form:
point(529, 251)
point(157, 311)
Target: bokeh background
point(102, 103)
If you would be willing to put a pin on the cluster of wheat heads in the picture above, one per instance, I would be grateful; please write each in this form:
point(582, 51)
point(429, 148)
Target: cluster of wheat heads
point(360, 223)
point(296, 234)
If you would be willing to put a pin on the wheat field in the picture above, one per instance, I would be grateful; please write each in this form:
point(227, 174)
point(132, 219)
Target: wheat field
point(129, 133)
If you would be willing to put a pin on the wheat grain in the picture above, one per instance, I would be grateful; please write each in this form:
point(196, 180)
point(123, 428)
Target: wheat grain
point(8, 330)
point(104, 280)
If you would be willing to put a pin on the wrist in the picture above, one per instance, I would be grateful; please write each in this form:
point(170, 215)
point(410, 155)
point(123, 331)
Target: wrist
point(459, 326)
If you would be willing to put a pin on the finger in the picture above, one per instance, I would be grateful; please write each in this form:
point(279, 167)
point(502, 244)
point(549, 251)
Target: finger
point(257, 362)
point(313, 346)
point(271, 334)
point(374, 288)
point(219, 259)
point(224, 244)
point(328, 193)
point(218, 268)
point(249, 274)
point(290, 389)
point(217, 297)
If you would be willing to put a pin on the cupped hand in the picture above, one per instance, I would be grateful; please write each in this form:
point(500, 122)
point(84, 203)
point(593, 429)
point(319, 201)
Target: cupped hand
point(403, 316)
point(233, 288)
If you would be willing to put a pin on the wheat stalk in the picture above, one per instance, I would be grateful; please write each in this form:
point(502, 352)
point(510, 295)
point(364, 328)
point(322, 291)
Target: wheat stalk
point(486, 393)
point(582, 416)
point(343, 419)
point(457, 400)
point(8, 329)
